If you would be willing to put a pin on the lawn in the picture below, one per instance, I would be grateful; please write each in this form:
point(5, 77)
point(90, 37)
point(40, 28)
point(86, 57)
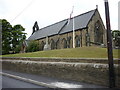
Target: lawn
point(84, 52)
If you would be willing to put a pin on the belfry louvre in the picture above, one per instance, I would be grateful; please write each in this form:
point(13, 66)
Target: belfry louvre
point(89, 31)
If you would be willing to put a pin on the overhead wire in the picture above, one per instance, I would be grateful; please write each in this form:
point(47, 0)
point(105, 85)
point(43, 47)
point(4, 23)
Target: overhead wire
point(22, 11)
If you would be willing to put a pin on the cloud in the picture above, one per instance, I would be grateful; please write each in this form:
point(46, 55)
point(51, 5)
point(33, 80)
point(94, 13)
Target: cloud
point(119, 15)
point(47, 12)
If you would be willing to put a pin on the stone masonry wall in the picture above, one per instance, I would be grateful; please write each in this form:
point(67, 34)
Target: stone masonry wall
point(94, 73)
point(91, 27)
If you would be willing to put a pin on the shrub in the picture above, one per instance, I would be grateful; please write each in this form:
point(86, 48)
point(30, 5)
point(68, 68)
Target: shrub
point(18, 48)
point(32, 46)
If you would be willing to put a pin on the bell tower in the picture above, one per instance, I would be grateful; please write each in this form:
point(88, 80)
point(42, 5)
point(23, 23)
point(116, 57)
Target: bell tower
point(35, 27)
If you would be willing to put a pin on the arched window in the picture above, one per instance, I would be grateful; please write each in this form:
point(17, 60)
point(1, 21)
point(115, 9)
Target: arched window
point(87, 39)
point(52, 44)
point(77, 41)
point(80, 40)
point(42, 45)
point(98, 33)
point(58, 43)
point(68, 41)
point(64, 42)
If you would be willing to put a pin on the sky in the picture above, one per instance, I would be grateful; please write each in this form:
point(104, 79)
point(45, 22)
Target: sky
point(47, 12)
point(119, 16)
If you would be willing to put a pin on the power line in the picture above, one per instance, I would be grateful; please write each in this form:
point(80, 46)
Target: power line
point(22, 11)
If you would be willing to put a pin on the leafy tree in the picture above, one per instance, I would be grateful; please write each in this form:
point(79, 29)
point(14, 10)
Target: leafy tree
point(6, 36)
point(12, 37)
point(116, 37)
point(18, 36)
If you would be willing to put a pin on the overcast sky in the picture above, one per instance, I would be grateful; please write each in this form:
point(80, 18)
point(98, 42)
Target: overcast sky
point(47, 12)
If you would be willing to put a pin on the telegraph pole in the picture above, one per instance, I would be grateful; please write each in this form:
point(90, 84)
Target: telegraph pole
point(1, 37)
point(109, 47)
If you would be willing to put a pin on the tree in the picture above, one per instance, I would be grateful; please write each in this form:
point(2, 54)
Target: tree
point(12, 37)
point(6, 36)
point(116, 37)
point(18, 36)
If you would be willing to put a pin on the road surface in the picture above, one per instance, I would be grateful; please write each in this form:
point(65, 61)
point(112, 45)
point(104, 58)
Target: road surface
point(8, 82)
point(14, 83)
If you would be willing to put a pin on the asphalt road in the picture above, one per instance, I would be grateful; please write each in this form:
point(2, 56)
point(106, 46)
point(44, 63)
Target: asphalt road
point(14, 83)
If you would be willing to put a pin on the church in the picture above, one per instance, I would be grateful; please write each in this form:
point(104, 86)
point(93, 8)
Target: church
point(89, 30)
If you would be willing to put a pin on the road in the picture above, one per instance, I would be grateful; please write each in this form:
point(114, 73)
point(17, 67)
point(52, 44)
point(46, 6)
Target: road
point(8, 82)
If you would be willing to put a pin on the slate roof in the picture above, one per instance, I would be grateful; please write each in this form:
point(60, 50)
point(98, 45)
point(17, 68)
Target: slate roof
point(81, 21)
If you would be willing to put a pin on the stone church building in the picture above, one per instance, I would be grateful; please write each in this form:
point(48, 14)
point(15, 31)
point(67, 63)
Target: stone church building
point(88, 28)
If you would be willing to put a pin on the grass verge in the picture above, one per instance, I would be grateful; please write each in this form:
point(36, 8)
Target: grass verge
point(84, 52)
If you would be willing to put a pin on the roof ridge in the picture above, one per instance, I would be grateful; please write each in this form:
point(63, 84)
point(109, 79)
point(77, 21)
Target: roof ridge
point(67, 18)
point(60, 25)
point(53, 24)
point(85, 13)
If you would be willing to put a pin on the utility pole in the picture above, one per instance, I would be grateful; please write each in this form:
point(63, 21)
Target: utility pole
point(109, 47)
point(1, 37)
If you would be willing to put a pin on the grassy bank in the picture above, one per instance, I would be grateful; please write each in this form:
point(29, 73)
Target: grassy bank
point(84, 52)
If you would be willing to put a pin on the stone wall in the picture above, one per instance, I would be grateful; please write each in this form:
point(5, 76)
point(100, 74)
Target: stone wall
point(78, 60)
point(91, 27)
point(94, 73)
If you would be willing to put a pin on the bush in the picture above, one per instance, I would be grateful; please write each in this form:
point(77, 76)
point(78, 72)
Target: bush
point(32, 46)
point(18, 48)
